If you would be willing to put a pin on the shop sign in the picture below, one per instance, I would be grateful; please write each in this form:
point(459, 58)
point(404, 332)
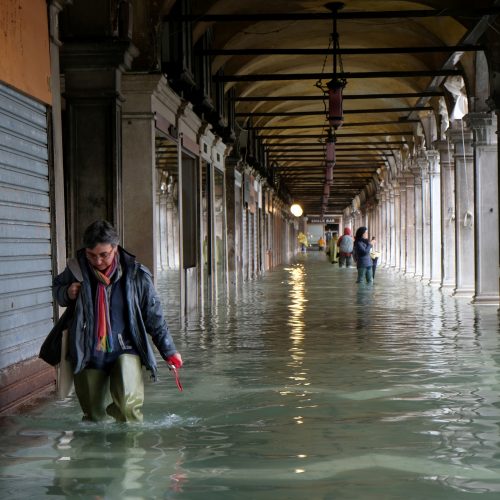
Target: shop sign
point(319, 220)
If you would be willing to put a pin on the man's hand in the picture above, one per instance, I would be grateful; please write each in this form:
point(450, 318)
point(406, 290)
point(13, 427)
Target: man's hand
point(74, 290)
point(175, 360)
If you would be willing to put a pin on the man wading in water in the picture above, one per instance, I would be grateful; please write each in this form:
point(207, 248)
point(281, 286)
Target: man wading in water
point(115, 307)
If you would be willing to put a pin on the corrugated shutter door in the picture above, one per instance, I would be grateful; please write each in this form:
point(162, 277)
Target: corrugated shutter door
point(25, 247)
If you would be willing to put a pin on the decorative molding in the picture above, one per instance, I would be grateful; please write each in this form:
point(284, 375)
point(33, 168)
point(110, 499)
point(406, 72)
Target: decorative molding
point(484, 128)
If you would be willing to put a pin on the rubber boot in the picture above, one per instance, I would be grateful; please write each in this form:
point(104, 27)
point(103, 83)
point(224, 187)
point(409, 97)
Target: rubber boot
point(127, 389)
point(92, 389)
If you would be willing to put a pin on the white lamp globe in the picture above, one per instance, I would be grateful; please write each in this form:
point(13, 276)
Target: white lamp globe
point(296, 210)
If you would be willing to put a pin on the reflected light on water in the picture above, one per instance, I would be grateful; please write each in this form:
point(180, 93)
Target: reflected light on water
point(296, 308)
point(297, 304)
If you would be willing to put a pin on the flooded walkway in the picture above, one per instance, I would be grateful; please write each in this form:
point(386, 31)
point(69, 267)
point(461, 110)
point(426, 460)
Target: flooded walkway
point(301, 385)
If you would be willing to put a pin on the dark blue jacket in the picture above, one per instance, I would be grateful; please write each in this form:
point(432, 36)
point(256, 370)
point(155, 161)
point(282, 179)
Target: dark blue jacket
point(361, 253)
point(143, 310)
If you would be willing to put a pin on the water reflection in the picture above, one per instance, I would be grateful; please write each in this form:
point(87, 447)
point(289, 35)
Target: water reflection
point(303, 384)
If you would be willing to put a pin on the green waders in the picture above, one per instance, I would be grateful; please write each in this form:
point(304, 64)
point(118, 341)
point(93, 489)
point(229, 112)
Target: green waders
point(124, 383)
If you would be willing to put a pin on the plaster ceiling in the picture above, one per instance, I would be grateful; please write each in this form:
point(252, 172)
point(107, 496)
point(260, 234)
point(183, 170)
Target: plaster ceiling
point(373, 127)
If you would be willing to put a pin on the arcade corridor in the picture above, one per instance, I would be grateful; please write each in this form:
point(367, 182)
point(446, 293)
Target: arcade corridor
point(300, 384)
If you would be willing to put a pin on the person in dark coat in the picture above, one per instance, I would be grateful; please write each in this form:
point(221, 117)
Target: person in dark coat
point(362, 248)
point(116, 308)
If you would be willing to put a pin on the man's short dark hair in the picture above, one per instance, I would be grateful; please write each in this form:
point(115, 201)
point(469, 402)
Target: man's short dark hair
point(100, 231)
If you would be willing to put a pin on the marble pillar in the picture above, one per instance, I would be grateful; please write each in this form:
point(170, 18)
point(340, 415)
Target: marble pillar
point(464, 203)
point(410, 225)
point(397, 227)
point(93, 150)
point(392, 238)
point(58, 203)
point(448, 250)
point(139, 191)
point(426, 218)
point(402, 239)
point(384, 236)
point(486, 218)
point(435, 216)
point(418, 223)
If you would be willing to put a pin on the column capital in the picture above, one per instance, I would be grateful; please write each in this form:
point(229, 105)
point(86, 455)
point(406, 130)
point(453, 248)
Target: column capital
point(456, 135)
point(460, 139)
point(422, 163)
point(402, 183)
point(445, 153)
point(409, 180)
point(484, 127)
point(434, 166)
point(416, 173)
point(103, 55)
point(96, 68)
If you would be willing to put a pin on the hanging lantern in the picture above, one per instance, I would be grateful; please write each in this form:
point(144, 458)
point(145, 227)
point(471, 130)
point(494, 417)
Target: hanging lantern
point(330, 150)
point(335, 103)
point(329, 175)
point(330, 157)
point(336, 85)
point(334, 90)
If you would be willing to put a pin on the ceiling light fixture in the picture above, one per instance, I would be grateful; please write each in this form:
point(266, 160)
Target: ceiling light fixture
point(335, 113)
point(296, 210)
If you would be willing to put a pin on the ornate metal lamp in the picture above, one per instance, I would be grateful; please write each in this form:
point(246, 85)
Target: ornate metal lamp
point(335, 115)
point(336, 85)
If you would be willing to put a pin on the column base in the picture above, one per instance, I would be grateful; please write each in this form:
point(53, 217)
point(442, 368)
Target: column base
point(465, 293)
point(486, 300)
point(448, 291)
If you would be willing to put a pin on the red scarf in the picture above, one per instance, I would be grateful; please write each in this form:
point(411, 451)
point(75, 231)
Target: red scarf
point(102, 320)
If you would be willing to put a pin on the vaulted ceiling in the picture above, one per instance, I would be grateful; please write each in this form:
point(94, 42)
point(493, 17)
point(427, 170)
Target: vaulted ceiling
point(395, 56)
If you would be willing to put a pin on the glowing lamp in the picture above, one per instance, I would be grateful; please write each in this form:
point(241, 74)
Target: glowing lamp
point(296, 210)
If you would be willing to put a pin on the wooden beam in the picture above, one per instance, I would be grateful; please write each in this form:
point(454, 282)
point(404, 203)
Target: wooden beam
point(272, 77)
point(469, 12)
point(342, 51)
point(407, 109)
point(339, 136)
point(430, 93)
point(354, 124)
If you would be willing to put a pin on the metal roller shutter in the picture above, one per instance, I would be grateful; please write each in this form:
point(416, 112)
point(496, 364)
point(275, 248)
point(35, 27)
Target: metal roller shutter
point(25, 248)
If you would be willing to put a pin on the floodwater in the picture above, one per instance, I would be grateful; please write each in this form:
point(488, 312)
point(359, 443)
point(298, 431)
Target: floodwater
point(301, 384)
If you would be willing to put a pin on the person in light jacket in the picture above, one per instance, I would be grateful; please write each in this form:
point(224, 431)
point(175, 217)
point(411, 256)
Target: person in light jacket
point(116, 308)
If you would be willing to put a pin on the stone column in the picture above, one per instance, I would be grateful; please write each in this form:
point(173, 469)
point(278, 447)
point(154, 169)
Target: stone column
point(378, 229)
point(402, 239)
point(139, 191)
point(391, 217)
point(397, 227)
point(410, 225)
point(383, 227)
point(426, 218)
point(435, 216)
point(486, 207)
point(59, 211)
point(93, 154)
point(418, 223)
point(448, 253)
point(232, 245)
point(464, 203)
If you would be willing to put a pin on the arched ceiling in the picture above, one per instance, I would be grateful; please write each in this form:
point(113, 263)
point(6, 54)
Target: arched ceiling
point(277, 91)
